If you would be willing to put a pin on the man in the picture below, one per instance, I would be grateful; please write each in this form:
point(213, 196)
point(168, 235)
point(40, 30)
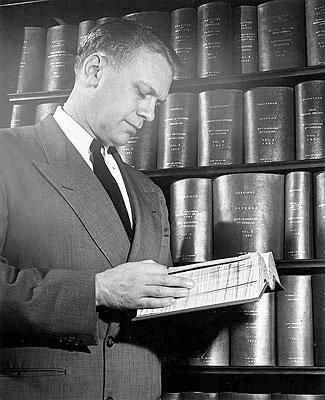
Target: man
point(72, 268)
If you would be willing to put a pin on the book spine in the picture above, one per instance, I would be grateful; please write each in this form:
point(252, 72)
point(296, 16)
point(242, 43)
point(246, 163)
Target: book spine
point(252, 333)
point(61, 48)
point(104, 20)
point(298, 226)
point(191, 221)
point(320, 215)
point(84, 28)
point(45, 108)
point(280, 396)
point(245, 50)
point(295, 322)
point(183, 41)
point(157, 21)
point(22, 114)
point(315, 32)
point(269, 124)
point(220, 116)
point(281, 34)
point(171, 396)
point(310, 120)
point(199, 396)
point(252, 396)
point(177, 137)
point(141, 150)
point(318, 288)
point(213, 39)
point(248, 212)
point(31, 64)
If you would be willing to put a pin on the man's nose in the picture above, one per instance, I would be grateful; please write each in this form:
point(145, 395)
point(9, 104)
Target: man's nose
point(147, 108)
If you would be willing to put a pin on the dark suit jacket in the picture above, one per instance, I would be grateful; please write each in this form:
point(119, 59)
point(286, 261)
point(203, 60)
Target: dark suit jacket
point(58, 228)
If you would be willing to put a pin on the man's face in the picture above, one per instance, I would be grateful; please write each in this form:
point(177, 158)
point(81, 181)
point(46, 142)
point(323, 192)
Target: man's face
point(124, 99)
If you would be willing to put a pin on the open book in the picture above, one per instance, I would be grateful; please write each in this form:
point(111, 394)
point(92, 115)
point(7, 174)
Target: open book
point(221, 283)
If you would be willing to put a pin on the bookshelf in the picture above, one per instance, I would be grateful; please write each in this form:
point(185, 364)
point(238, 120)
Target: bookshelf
point(45, 13)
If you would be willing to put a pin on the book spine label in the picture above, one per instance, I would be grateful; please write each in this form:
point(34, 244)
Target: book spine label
point(315, 32)
point(320, 215)
point(248, 214)
point(310, 120)
point(83, 29)
point(245, 51)
point(183, 41)
point(191, 220)
point(269, 124)
point(318, 288)
point(177, 138)
point(31, 64)
point(295, 322)
point(213, 39)
point(61, 48)
point(141, 150)
point(298, 216)
point(252, 334)
point(281, 34)
point(220, 127)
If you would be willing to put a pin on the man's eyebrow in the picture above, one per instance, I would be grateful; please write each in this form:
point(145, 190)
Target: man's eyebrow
point(149, 89)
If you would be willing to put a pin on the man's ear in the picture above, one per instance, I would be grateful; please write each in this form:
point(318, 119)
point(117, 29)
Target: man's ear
point(93, 68)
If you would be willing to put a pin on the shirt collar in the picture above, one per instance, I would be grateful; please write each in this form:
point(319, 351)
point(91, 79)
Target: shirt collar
point(77, 135)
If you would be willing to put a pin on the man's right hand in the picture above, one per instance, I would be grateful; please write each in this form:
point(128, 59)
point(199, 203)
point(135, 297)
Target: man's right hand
point(143, 284)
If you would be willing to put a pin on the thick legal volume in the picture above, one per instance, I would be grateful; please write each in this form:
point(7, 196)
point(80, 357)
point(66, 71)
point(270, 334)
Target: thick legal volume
point(298, 225)
point(252, 333)
point(294, 322)
point(315, 32)
point(220, 127)
point(269, 125)
point(191, 220)
point(171, 396)
point(248, 214)
point(22, 114)
point(280, 396)
point(141, 150)
point(281, 34)
point(83, 29)
point(221, 283)
point(61, 45)
point(183, 41)
point(157, 21)
point(199, 396)
point(318, 288)
point(319, 209)
point(177, 137)
point(43, 109)
point(245, 47)
point(252, 396)
point(214, 39)
point(310, 119)
point(31, 65)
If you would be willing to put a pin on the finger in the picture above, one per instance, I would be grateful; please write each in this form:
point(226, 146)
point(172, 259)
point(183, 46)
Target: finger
point(163, 291)
point(170, 280)
point(152, 302)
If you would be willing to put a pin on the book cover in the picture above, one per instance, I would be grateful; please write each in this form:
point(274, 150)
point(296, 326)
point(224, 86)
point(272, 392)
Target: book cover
point(281, 34)
point(315, 32)
point(318, 289)
point(190, 216)
point(294, 322)
point(269, 127)
point(177, 137)
point(214, 34)
point(183, 41)
point(248, 213)
point(310, 119)
point(298, 224)
point(220, 127)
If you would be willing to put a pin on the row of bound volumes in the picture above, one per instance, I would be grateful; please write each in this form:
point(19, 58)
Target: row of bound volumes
point(235, 214)
point(209, 41)
point(284, 329)
point(229, 126)
point(222, 127)
point(237, 396)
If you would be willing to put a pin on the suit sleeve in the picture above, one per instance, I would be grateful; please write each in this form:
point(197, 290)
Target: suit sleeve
point(52, 305)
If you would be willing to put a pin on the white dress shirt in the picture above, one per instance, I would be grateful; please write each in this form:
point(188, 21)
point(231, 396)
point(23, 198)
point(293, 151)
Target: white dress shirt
point(81, 140)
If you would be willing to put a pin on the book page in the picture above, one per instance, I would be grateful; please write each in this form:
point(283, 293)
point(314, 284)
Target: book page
point(223, 284)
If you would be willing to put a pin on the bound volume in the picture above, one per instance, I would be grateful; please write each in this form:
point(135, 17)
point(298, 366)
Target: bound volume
point(315, 31)
point(318, 285)
point(281, 34)
point(320, 215)
point(221, 283)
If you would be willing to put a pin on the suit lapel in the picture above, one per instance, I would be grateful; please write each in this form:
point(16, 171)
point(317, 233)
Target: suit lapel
point(70, 175)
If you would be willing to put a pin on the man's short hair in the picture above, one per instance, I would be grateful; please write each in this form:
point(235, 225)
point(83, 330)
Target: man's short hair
point(119, 39)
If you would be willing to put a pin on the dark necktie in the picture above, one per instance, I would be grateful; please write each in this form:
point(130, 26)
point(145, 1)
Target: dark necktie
point(109, 183)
